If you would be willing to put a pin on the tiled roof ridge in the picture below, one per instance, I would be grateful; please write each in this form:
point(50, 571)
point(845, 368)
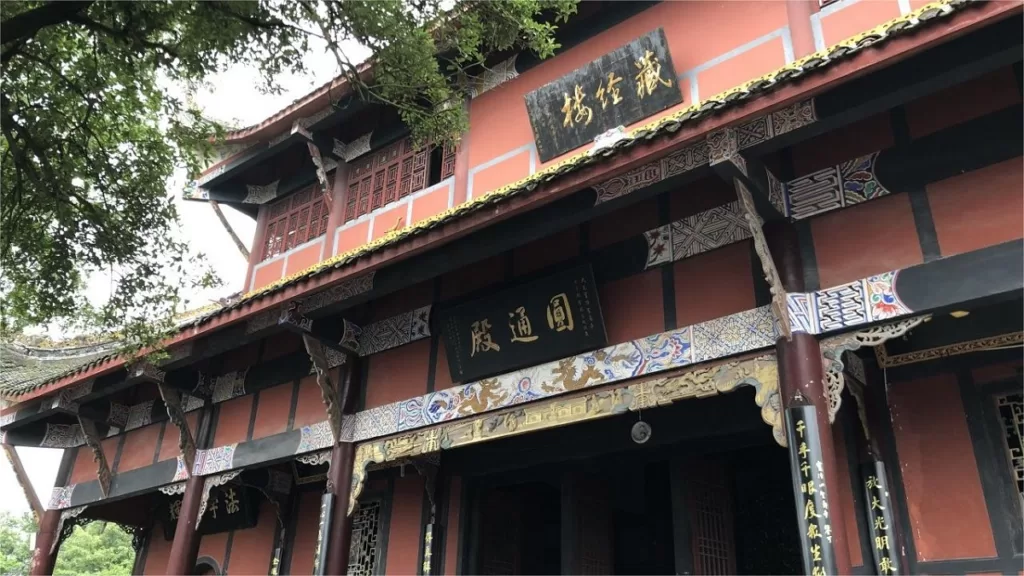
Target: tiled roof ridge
point(666, 125)
point(42, 352)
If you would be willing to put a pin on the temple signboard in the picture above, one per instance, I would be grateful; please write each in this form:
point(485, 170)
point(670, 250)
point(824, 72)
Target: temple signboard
point(229, 507)
point(550, 318)
point(618, 89)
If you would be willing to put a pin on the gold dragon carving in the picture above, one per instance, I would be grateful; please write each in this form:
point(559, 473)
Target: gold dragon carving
point(760, 372)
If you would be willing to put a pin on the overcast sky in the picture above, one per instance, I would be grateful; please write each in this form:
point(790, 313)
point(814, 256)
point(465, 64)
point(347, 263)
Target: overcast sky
point(232, 98)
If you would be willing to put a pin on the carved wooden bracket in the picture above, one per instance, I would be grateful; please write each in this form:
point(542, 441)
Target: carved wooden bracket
point(92, 439)
point(780, 309)
point(293, 320)
point(186, 443)
point(328, 392)
point(832, 351)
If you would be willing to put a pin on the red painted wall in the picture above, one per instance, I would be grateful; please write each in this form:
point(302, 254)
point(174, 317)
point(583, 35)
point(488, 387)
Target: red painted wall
point(272, 411)
point(980, 208)
point(233, 421)
point(844, 495)
point(158, 552)
point(406, 525)
point(139, 447)
point(837, 235)
point(948, 515)
point(252, 549)
point(304, 545)
point(397, 374)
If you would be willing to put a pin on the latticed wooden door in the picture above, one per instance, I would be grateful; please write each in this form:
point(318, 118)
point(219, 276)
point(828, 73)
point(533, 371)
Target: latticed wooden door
point(709, 501)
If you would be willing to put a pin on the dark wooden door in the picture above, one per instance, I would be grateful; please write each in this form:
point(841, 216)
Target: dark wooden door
point(586, 525)
point(500, 532)
point(703, 518)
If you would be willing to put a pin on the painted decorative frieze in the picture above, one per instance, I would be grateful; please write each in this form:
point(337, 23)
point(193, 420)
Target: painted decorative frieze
point(260, 194)
point(705, 231)
point(847, 184)
point(60, 497)
point(394, 331)
point(863, 301)
point(720, 145)
point(760, 373)
point(764, 128)
point(725, 336)
point(62, 436)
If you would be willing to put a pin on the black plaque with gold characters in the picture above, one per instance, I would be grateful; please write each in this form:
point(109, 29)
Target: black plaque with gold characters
point(881, 523)
point(813, 517)
point(229, 507)
point(618, 89)
point(550, 318)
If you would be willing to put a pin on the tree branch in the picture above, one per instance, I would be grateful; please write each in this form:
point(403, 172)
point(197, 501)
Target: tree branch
point(23, 26)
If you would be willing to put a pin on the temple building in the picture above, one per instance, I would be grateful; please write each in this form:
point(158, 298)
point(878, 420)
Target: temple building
point(720, 288)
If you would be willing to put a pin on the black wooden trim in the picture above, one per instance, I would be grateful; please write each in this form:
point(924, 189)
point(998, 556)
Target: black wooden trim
point(281, 529)
point(294, 404)
point(293, 523)
point(1001, 498)
point(227, 551)
point(762, 291)
point(252, 415)
point(364, 383)
point(211, 431)
point(876, 396)
point(435, 335)
point(805, 239)
point(424, 519)
point(584, 231)
point(992, 272)
point(159, 441)
point(67, 462)
point(923, 221)
point(1018, 73)
point(117, 455)
point(464, 507)
point(966, 566)
point(851, 433)
point(441, 522)
point(385, 524)
point(925, 224)
point(668, 278)
point(139, 564)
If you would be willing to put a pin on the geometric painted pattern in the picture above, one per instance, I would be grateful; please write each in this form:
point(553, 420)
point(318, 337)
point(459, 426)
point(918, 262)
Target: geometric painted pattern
point(847, 184)
point(213, 460)
point(60, 497)
point(708, 230)
point(870, 299)
point(395, 331)
point(62, 436)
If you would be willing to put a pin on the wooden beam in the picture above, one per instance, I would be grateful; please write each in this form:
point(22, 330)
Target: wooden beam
point(23, 480)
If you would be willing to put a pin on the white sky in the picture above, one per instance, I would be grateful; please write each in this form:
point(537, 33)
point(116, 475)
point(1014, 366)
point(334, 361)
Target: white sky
point(232, 98)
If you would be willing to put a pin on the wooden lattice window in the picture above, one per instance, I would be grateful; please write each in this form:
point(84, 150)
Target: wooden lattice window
point(394, 172)
point(367, 538)
point(1011, 415)
point(294, 220)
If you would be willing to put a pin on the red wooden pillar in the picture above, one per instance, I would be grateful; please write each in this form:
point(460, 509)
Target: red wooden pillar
point(341, 524)
point(801, 382)
point(339, 477)
point(185, 546)
point(45, 554)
